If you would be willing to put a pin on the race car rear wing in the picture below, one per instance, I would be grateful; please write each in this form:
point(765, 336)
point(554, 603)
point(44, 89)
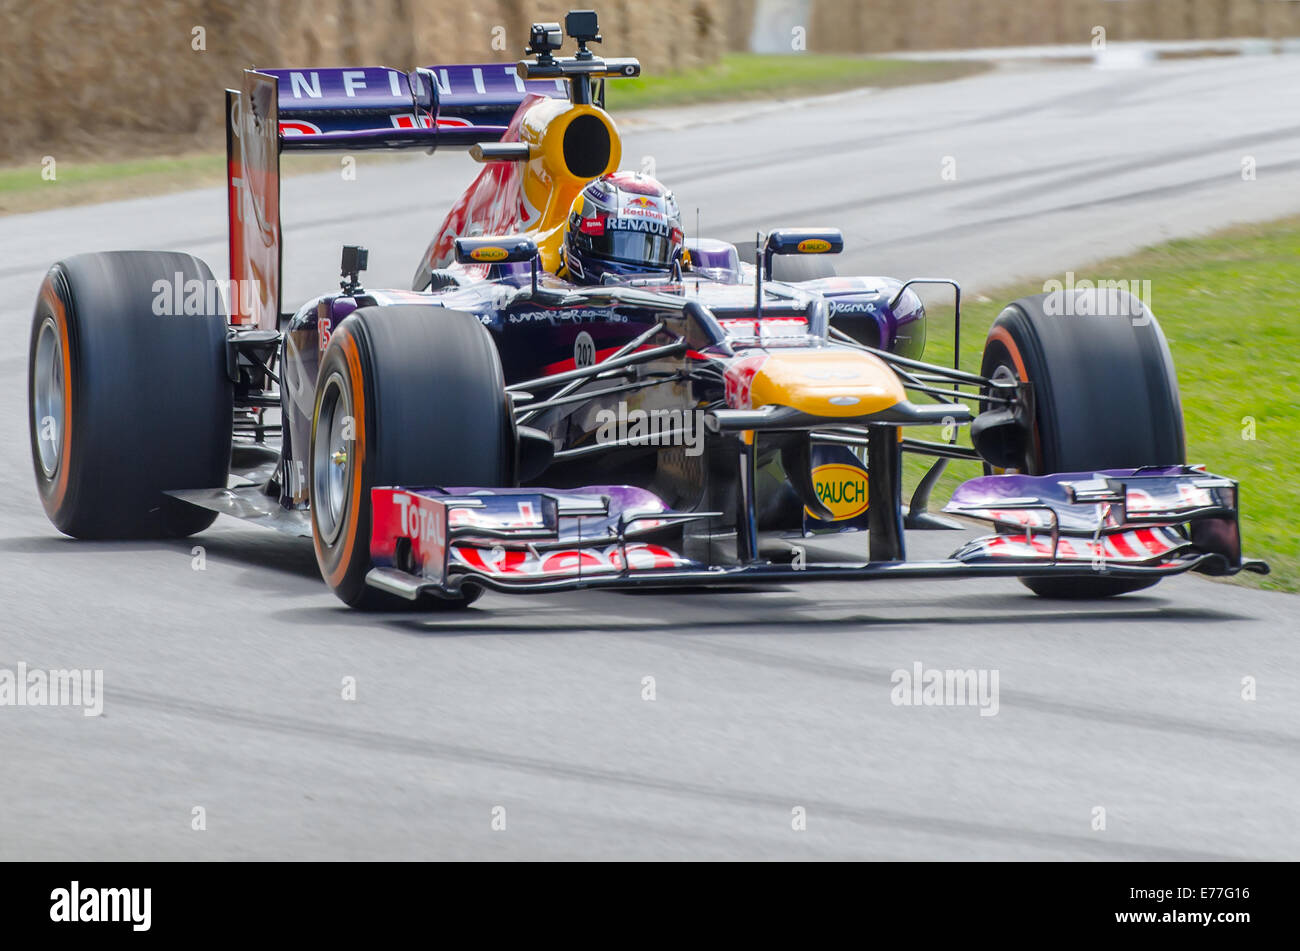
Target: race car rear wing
point(344, 110)
point(382, 108)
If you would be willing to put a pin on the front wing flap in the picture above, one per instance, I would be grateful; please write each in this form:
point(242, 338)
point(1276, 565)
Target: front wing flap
point(1148, 516)
point(445, 536)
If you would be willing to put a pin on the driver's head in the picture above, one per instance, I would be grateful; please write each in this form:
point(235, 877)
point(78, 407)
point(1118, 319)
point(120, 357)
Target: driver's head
point(625, 225)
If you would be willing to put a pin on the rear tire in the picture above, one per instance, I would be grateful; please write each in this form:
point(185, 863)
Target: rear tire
point(426, 397)
point(124, 402)
point(1105, 397)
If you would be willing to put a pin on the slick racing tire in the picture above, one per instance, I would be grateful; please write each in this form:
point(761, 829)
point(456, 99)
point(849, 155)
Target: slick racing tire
point(1105, 397)
point(126, 397)
point(407, 395)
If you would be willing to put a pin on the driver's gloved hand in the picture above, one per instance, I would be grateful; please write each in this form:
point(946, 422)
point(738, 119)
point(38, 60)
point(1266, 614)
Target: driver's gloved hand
point(441, 277)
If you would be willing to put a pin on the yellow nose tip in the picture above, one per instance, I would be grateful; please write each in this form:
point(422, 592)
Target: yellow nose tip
point(829, 382)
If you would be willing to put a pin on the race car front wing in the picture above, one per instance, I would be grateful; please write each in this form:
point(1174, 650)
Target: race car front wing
point(1122, 523)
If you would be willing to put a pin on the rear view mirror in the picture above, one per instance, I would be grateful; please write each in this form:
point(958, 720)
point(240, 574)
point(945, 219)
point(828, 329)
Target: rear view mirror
point(504, 249)
point(801, 241)
point(805, 241)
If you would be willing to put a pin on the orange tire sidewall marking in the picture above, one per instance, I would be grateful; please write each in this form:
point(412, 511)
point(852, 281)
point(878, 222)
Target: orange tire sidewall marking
point(1002, 336)
point(55, 500)
point(356, 387)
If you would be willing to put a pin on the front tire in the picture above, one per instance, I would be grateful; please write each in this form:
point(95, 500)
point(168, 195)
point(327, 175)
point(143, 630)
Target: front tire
point(1105, 397)
point(126, 402)
point(407, 395)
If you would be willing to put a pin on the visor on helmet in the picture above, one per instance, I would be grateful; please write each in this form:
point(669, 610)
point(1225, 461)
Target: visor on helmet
point(641, 242)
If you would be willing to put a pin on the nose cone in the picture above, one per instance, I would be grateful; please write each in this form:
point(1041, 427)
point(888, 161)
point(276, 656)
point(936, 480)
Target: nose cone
point(830, 382)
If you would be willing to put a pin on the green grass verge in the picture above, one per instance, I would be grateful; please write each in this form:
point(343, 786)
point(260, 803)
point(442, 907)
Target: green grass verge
point(758, 75)
point(74, 174)
point(1227, 304)
point(23, 189)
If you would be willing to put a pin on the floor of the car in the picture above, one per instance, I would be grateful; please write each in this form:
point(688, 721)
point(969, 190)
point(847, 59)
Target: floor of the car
point(250, 503)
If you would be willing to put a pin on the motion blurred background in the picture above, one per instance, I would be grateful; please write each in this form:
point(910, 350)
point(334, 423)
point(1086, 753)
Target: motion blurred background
point(125, 77)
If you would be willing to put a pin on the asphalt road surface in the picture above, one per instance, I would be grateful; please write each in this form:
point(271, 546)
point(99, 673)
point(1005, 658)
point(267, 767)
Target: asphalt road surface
point(223, 687)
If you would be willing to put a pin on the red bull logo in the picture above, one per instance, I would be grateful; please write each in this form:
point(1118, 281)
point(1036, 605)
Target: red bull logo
point(641, 206)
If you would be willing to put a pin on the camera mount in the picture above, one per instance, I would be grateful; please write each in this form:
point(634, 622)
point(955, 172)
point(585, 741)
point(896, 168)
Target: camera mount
point(583, 27)
point(544, 39)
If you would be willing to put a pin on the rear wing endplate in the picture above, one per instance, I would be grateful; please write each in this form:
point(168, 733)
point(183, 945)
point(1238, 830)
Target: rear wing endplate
point(343, 110)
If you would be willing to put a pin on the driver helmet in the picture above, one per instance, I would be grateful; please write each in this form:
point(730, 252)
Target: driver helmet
point(622, 225)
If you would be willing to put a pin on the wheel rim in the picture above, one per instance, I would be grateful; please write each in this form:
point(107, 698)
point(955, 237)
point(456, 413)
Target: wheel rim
point(332, 459)
point(1005, 373)
point(48, 407)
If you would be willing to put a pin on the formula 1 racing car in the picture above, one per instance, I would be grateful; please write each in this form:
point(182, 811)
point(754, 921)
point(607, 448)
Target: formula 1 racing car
point(574, 394)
